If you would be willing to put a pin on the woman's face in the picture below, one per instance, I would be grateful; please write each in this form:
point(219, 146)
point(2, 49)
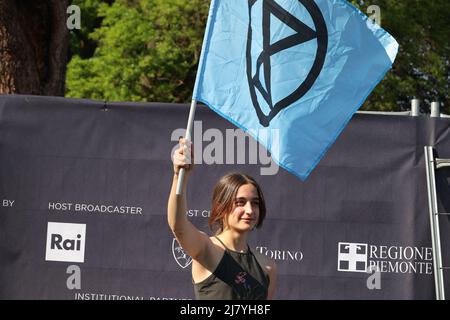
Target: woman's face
point(245, 214)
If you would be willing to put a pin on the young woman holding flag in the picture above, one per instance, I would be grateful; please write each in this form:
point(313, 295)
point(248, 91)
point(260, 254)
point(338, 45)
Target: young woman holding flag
point(224, 267)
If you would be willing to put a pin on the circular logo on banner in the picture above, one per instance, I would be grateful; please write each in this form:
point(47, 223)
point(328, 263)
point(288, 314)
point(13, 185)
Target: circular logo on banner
point(303, 34)
point(181, 257)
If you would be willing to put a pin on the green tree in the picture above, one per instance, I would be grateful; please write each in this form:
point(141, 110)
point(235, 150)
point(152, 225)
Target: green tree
point(147, 51)
point(422, 67)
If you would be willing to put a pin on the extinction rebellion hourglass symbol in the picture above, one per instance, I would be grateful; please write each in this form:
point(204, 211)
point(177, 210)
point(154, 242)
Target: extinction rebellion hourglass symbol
point(303, 34)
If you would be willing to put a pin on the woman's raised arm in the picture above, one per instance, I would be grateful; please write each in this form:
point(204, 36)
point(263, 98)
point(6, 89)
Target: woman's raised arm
point(192, 240)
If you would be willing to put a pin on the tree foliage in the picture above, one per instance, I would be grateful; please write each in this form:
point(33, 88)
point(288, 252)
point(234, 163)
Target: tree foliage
point(148, 50)
point(422, 67)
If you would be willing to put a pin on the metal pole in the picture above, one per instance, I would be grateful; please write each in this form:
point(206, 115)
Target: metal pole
point(415, 107)
point(435, 112)
point(188, 139)
point(209, 23)
point(434, 224)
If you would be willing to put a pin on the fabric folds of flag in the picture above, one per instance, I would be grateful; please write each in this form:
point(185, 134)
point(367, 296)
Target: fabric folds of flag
point(291, 73)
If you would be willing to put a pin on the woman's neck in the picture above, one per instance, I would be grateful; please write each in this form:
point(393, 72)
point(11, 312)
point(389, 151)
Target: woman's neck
point(233, 240)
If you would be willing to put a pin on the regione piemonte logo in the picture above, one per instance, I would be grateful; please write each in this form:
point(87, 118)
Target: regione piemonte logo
point(65, 242)
point(352, 257)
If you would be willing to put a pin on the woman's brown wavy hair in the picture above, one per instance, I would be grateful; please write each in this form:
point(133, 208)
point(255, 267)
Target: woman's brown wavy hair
point(224, 195)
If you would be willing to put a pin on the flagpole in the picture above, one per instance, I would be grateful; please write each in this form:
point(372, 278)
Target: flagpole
point(188, 139)
point(212, 12)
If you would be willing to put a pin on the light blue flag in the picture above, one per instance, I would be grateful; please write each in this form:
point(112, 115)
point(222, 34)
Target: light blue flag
point(291, 73)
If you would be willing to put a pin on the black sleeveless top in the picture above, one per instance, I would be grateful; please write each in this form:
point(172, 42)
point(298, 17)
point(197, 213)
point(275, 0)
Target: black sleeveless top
point(238, 276)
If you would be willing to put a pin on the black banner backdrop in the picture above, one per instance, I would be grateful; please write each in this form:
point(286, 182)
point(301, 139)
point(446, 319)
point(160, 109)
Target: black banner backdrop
point(84, 188)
